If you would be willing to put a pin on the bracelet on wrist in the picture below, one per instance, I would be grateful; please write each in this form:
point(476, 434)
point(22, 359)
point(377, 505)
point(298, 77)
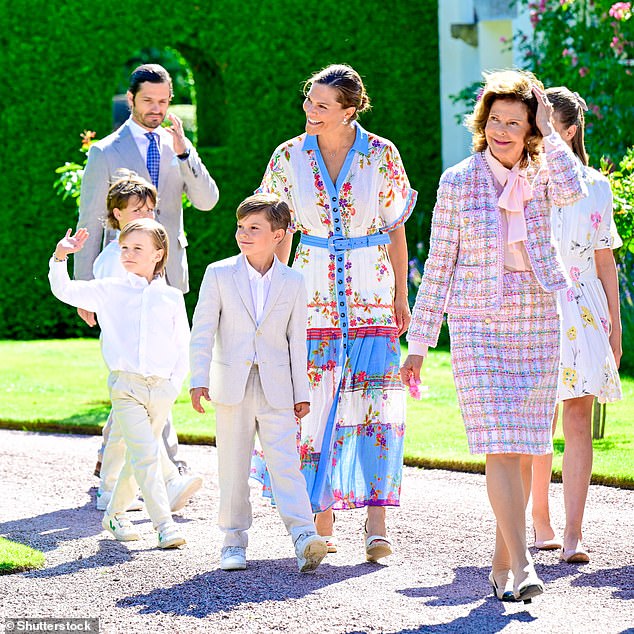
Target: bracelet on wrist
point(56, 259)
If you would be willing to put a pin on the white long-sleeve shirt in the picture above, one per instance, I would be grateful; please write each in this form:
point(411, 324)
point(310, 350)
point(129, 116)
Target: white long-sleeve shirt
point(144, 326)
point(108, 262)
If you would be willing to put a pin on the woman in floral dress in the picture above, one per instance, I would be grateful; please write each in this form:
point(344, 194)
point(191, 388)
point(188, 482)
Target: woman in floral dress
point(591, 334)
point(350, 197)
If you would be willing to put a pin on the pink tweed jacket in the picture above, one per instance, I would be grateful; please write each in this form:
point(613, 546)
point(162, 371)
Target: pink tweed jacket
point(465, 266)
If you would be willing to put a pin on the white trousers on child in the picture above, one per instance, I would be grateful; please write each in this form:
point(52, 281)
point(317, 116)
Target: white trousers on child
point(111, 454)
point(113, 457)
point(235, 438)
point(141, 405)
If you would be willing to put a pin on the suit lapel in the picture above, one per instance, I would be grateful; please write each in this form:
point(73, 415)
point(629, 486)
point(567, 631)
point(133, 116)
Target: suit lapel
point(126, 147)
point(278, 280)
point(241, 279)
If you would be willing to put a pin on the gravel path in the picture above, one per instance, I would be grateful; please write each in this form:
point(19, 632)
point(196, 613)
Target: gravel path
point(436, 582)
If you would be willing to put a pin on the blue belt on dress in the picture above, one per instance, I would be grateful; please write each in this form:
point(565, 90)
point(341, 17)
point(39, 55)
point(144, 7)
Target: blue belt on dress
point(336, 244)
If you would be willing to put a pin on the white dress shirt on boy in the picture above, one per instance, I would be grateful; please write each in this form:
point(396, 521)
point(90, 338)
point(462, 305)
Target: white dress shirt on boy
point(134, 318)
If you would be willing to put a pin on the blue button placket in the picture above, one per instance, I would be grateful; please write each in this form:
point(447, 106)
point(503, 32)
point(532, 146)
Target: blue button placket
point(342, 310)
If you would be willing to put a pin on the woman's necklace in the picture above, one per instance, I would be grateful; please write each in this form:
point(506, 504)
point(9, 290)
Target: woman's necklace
point(347, 144)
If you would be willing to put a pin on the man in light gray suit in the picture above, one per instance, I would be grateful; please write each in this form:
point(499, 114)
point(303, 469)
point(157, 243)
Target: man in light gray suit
point(162, 155)
point(166, 158)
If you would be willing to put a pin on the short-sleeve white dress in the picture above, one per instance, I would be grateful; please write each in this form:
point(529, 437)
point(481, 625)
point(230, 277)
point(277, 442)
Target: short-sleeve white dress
point(587, 365)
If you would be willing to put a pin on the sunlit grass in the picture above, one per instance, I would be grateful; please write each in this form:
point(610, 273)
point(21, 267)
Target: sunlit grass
point(61, 385)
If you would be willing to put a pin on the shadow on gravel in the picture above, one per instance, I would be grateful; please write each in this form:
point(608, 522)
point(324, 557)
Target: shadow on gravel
point(110, 553)
point(47, 531)
point(470, 585)
point(620, 578)
point(489, 617)
point(220, 591)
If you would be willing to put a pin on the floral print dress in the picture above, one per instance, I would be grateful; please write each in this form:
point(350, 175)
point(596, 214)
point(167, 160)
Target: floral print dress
point(587, 365)
point(351, 445)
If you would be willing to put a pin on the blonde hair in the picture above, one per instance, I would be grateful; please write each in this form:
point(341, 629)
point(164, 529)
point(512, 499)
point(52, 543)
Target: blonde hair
point(157, 234)
point(508, 85)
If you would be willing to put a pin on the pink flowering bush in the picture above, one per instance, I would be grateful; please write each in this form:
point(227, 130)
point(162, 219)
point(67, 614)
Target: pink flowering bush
point(588, 46)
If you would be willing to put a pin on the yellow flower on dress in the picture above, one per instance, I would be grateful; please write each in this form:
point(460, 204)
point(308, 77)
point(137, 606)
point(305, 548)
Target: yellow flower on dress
point(588, 317)
point(571, 333)
point(569, 377)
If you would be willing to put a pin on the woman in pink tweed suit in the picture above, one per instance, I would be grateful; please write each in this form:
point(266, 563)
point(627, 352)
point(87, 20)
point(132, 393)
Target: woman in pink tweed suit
point(493, 269)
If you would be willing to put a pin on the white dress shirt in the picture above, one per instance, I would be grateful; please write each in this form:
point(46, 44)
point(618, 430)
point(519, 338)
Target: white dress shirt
point(142, 142)
point(260, 286)
point(108, 262)
point(144, 327)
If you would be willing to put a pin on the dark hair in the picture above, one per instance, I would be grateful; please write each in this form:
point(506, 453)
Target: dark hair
point(157, 233)
point(275, 210)
point(348, 84)
point(507, 85)
point(128, 185)
point(569, 108)
point(154, 73)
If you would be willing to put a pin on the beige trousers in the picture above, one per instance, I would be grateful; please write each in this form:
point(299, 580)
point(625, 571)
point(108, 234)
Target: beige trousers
point(236, 427)
point(141, 406)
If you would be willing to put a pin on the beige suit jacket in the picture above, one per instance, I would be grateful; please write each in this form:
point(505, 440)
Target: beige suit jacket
point(226, 339)
point(176, 177)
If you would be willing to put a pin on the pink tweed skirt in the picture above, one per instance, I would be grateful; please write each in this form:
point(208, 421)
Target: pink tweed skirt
point(505, 368)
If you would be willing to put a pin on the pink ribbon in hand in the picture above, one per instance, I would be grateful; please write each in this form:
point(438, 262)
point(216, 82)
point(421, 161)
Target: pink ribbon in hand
point(414, 389)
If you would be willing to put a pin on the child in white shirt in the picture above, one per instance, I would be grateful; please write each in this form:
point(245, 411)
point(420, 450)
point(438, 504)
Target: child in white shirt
point(129, 198)
point(145, 338)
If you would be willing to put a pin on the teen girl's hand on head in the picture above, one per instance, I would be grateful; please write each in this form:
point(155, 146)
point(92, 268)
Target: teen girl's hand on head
point(71, 243)
point(544, 115)
point(177, 132)
point(196, 393)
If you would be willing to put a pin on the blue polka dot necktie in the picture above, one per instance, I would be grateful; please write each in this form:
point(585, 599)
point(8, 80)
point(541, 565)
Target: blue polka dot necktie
point(153, 158)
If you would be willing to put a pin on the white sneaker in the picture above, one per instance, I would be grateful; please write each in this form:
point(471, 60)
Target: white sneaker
point(170, 537)
point(103, 499)
point(310, 549)
point(233, 558)
point(180, 489)
point(120, 527)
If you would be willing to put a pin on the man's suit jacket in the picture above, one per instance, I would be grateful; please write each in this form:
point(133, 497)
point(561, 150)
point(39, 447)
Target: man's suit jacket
point(226, 337)
point(119, 150)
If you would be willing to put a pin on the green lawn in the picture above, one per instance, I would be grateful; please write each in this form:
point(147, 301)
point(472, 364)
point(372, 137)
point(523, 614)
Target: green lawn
point(16, 557)
point(55, 384)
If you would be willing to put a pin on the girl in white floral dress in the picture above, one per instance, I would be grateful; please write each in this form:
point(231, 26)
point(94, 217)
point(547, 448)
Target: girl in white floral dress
point(590, 335)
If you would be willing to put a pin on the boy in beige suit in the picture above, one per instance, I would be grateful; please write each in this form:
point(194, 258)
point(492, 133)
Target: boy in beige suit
point(248, 356)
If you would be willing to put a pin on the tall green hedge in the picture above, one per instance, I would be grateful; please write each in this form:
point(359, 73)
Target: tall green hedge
point(61, 63)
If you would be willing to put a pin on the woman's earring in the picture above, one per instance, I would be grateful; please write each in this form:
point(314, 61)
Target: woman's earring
point(345, 121)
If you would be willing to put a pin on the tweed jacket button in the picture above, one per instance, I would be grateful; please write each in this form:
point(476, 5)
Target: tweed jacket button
point(469, 275)
point(488, 320)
